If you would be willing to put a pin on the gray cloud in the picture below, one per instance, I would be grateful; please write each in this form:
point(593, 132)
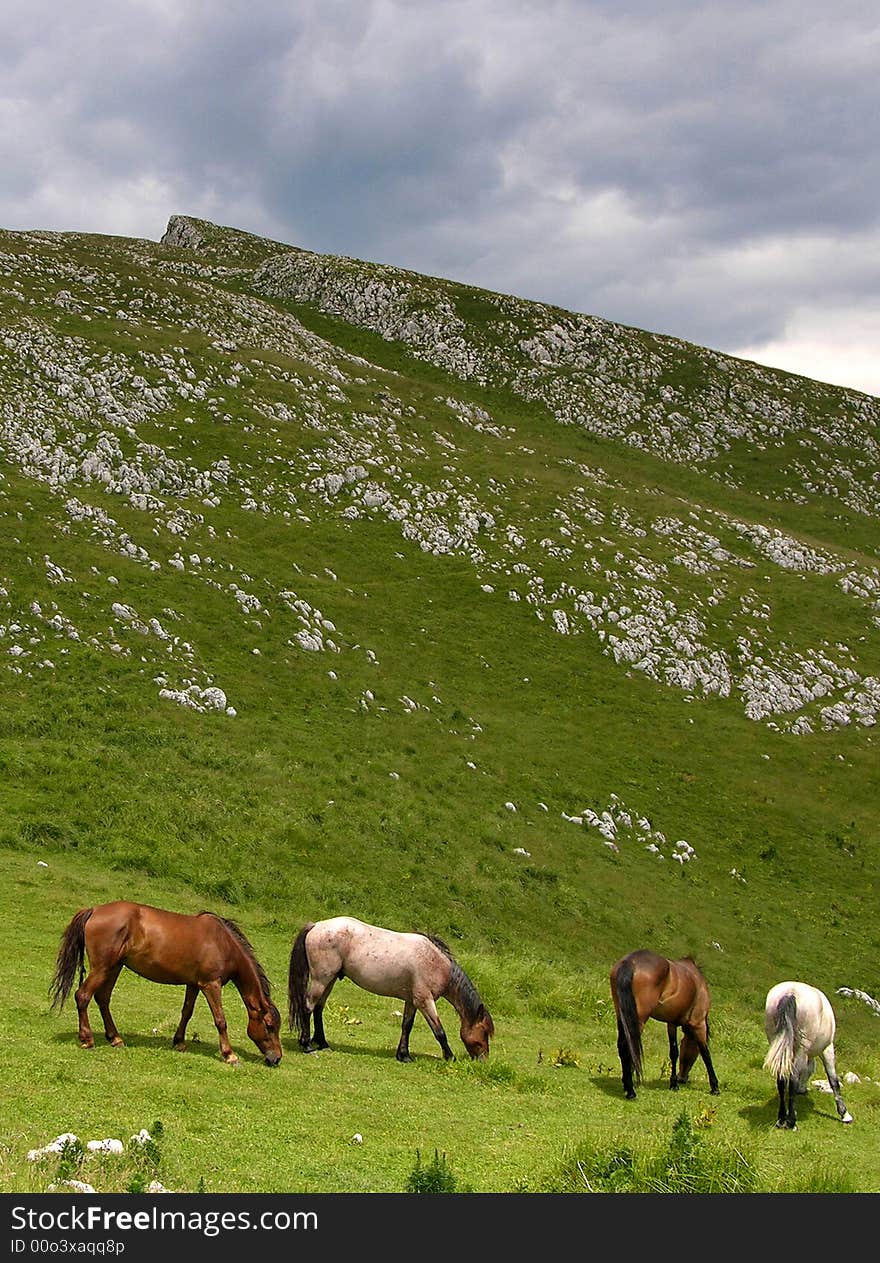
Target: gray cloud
point(707, 170)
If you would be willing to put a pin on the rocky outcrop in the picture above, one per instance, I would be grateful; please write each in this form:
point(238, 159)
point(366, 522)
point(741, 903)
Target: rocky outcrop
point(183, 233)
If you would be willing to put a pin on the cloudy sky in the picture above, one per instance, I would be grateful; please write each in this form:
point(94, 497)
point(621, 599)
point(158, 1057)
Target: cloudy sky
point(709, 170)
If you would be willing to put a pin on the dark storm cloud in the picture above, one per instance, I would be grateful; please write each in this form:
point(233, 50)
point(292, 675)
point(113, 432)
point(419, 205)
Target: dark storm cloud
point(708, 170)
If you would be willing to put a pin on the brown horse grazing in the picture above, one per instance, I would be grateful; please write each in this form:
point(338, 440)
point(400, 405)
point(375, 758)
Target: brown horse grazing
point(415, 968)
point(645, 985)
point(199, 952)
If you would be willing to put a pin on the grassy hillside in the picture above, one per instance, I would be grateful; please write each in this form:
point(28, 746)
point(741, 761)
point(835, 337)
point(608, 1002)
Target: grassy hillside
point(328, 588)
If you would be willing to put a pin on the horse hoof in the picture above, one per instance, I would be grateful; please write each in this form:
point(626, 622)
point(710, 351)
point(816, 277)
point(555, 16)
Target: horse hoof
point(630, 1096)
point(847, 1118)
point(715, 1092)
point(181, 1047)
point(117, 1043)
point(231, 1060)
point(404, 1057)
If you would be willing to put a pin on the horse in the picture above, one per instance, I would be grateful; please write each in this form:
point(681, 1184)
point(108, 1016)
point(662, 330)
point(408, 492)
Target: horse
point(800, 1026)
point(415, 968)
point(201, 952)
point(645, 985)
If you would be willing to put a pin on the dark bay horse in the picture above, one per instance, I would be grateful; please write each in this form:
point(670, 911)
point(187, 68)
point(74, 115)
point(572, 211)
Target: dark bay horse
point(200, 952)
point(800, 1026)
point(415, 968)
point(645, 985)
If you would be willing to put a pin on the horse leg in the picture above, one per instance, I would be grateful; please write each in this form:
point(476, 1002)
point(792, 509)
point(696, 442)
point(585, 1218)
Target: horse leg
point(429, 1009)
point(787, 1088)
point(803, 1081)
point(102, 997)
point(696, 1040)
point(829, 1062)
point(673, 1057)
point(189, 1003)
point(320, 1040)
point(626, 1064)
point(409, 1016)
point(791, 1118)
point(212, 993)
point(315, 1001)
point(83, 998)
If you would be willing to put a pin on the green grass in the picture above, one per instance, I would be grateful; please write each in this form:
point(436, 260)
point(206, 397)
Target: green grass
point(509, 1124)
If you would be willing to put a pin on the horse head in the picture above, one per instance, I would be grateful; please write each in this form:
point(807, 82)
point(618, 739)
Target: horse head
point(264, 1028)
point(475, 1033)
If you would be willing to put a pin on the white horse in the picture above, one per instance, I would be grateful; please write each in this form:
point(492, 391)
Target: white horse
point(800, 1026)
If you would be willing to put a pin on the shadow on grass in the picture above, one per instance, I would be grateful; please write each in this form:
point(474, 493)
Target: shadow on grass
point(762, 1117)
point(607, 1086)
point(194, 1047)
point(346, 1050)
point(613, 1087)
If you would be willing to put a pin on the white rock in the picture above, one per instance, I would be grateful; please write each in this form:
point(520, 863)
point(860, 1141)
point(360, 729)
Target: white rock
point(105, 1146)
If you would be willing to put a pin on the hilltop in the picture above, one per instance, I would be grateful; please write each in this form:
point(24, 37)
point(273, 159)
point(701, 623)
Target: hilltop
point(330, 587)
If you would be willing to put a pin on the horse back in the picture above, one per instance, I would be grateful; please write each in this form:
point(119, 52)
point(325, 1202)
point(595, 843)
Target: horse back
point(162, 946)
point(386, 962)
point(639, 968)
point(668, 990)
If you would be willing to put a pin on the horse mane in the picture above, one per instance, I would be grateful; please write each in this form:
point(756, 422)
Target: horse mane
point(444, 947)
point(242, 939)
point(470, 1003)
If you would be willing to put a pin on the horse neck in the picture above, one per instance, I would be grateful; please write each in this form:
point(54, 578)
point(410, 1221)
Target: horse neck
point(244, 977)
point(461, 993)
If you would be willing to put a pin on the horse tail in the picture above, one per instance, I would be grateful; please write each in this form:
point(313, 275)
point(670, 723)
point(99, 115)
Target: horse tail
point(783, 1045)
point(71, 956)
point(298, 981)
point(627, 1015)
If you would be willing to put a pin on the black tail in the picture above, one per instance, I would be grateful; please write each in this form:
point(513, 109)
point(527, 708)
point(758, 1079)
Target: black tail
point(628, 1018)
point(71, 956)
point(298, 981)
